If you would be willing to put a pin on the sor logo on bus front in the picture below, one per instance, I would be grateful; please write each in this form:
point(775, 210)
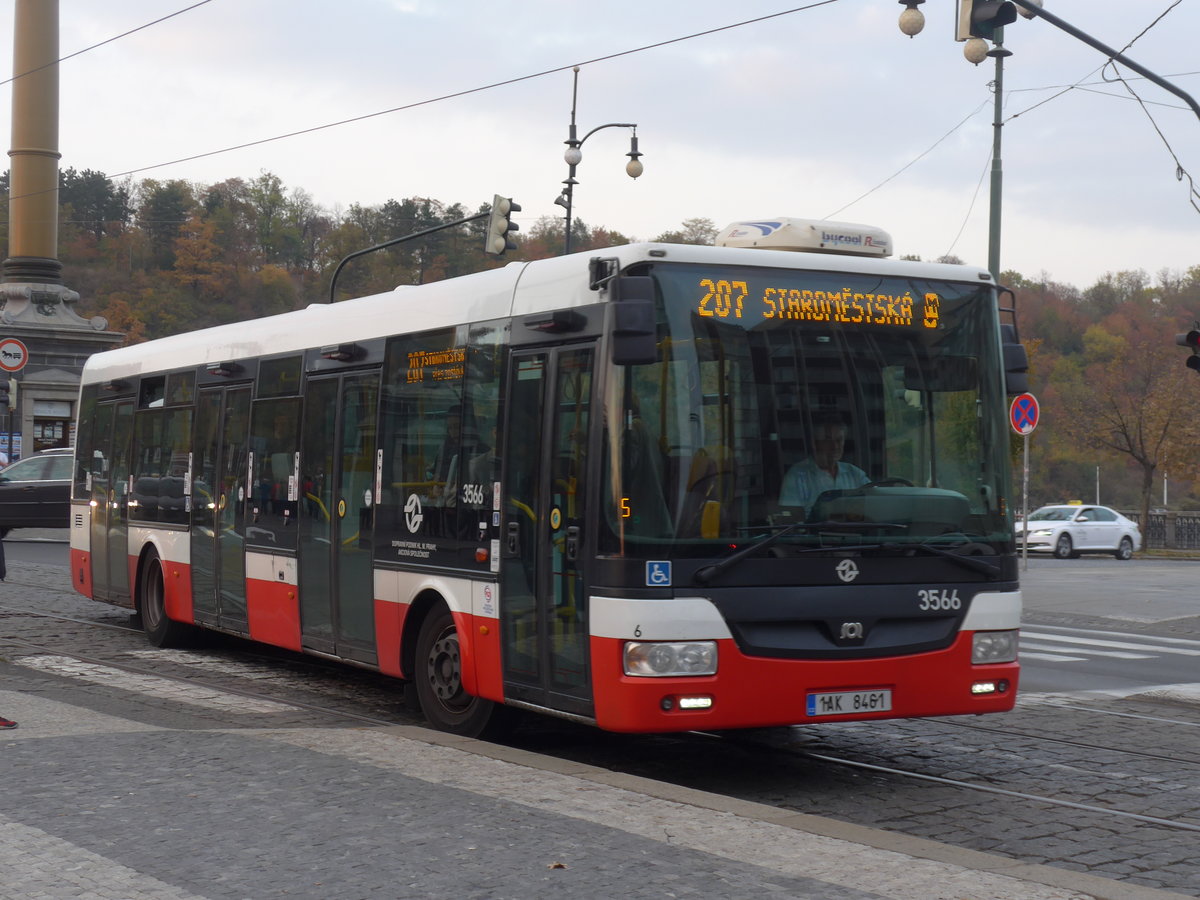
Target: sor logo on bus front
point(413, 517)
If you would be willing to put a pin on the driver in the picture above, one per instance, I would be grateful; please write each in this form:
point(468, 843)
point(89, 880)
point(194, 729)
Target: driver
point(824, 470)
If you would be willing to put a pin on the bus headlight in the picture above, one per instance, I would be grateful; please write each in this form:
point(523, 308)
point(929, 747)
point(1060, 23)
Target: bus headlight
point(993, 647)
point(661, 659)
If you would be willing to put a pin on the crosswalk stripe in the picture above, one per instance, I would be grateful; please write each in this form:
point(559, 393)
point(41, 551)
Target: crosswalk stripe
point(152, 685)
point(1118, 645)
point(1052, 657)
point(1124, 635)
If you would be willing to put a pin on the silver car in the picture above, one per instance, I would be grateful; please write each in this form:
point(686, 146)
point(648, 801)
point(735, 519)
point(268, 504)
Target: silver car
point(1068, 530)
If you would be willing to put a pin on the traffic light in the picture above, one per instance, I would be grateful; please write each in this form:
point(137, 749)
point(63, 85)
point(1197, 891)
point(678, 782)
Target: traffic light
point(1191, 339)
point(499, 226)
point(6, 398)
point(981, 18)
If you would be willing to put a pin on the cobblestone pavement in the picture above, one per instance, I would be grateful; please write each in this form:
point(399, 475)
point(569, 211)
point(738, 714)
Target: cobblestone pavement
point(115, 794)
point(98, 805)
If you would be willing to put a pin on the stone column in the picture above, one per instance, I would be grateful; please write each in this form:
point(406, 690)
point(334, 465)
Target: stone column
point(35, 305)
point(33, 185)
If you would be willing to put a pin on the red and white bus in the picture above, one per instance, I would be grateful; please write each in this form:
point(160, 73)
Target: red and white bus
point(586, 485)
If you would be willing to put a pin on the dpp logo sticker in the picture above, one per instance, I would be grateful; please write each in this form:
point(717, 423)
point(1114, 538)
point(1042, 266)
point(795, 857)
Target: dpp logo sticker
point(413, 517)
point(847, 570)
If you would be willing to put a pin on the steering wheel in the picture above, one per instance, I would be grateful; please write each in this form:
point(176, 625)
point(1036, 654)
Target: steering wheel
point(883, 482)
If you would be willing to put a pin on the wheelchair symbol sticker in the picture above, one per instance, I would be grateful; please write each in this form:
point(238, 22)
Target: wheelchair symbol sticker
point(658, 573)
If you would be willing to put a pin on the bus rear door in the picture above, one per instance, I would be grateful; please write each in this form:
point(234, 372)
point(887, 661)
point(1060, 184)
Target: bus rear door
point(218, 516)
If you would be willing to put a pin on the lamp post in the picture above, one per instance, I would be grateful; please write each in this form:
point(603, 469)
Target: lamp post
point(573, 156)
point(998, 52)
point(976, 51)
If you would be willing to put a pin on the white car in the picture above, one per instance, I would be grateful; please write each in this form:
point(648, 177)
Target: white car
point(1068, 530)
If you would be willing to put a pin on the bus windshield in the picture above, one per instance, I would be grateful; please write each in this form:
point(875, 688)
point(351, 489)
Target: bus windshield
point(825, 409)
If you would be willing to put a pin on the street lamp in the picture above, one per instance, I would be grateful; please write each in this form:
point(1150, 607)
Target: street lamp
point(573, 156)
point(912, 20)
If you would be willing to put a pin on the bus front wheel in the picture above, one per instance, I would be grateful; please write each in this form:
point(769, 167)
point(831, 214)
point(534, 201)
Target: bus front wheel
point(438, 680)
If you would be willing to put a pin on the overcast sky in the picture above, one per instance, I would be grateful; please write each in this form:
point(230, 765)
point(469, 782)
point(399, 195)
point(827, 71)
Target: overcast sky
point(807, 114)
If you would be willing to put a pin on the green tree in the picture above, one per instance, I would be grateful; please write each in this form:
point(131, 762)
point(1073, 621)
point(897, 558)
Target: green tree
point(692, 231)
point(163, 210)
point(100, 206)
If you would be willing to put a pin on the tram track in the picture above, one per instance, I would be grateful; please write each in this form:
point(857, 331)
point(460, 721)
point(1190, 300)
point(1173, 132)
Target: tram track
point(742, 741)
point(1174, 759)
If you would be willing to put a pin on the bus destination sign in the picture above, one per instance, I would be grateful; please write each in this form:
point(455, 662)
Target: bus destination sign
point(722, 299)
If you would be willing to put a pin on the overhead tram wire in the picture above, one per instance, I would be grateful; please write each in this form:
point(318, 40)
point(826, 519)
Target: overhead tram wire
point(913, 161)
point(431, 100)
point(971, 207)
point(116, 37)
point(1079, 85)
point(476, 90)
point(1180, 172)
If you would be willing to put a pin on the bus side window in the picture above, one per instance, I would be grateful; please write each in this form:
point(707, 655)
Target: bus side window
point(274, 491)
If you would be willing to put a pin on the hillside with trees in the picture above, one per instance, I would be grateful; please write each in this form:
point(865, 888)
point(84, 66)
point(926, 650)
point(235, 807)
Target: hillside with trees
point(157, 257)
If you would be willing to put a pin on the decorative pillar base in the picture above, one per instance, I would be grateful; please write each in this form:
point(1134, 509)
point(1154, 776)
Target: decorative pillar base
point(35, 269)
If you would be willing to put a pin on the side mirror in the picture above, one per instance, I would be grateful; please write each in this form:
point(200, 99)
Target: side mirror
point(634, 330)
point(1016, 361)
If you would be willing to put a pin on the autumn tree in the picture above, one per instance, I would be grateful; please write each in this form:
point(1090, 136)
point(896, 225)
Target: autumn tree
point(1125, 396)
point(200, 266)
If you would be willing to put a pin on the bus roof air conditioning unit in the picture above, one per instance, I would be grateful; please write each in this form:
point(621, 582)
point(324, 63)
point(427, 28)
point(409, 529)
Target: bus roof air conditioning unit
point(808, 235)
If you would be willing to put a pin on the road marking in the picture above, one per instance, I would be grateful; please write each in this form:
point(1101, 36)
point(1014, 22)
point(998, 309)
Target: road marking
point(1112, 654)
point(152, 685)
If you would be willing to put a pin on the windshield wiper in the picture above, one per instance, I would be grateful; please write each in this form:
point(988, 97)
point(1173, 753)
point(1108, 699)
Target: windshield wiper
point(974, 563)
point(708, 573)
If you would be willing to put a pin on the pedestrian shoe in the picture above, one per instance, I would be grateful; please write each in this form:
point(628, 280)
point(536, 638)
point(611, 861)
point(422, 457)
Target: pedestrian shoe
point(7, 723)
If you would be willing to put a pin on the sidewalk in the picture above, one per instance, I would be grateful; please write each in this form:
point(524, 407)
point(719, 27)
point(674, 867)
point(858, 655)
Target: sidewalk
point(100, 806)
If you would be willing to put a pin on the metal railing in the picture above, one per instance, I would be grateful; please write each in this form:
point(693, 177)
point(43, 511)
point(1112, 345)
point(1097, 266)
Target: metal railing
point(1169, 530)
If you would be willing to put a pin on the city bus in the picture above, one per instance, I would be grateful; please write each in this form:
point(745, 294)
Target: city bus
point(569, 485)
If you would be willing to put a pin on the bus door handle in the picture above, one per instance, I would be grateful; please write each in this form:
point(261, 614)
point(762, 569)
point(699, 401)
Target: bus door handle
point(573, 542)
point(513, 539)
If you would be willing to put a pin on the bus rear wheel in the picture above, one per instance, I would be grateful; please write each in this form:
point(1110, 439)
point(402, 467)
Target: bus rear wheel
point(160, 630)
point(438, 680)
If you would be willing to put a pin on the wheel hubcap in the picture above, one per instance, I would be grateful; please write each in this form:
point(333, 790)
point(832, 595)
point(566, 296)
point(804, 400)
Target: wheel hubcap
point(445, 670)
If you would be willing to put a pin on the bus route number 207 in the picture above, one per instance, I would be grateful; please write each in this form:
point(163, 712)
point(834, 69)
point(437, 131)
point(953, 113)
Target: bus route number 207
point(939, 599)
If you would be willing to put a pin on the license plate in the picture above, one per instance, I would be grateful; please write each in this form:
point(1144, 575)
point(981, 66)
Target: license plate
point(848, 703)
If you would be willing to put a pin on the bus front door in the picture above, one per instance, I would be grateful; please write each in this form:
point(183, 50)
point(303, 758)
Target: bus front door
point(218, 518)
point(543, 596)
point(337, 471)
point(110, 503)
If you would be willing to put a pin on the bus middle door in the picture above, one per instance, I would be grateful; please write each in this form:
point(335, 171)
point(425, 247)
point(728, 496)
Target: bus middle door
point(543, 597)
